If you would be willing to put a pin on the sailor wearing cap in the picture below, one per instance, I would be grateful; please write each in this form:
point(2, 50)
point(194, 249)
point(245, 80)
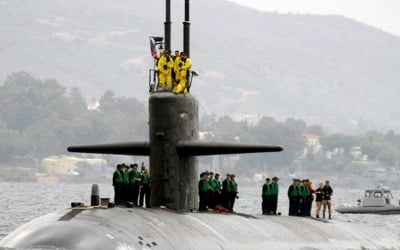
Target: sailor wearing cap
point(293, 194)
point(274, 194)
point(225, 191)
point(203, 189)
point(266, 194)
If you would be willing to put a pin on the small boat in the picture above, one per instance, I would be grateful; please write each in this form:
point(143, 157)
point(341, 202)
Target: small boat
point(375, 201)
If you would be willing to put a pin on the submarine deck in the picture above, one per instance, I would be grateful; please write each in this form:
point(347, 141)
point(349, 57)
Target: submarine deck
point(138, 228)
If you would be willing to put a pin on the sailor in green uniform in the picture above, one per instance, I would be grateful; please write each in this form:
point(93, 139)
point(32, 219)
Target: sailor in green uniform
point(117, 183)
point(233, 191)
point(203, 189)
point(212, 192)
point(125, 184)
point(134, 177)
point(274, 195)
point(129, 197)
point(309, 198)
point(218, 190)
point(225, 191)
point(266, 194)
point(304, 194)
point(293, 194)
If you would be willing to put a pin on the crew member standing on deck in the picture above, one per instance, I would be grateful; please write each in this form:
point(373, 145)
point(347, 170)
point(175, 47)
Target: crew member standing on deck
point(233, 192)
point(274, 194)
point(129, 192)
point(319, 195)
point(326, 202)
point(145, 188)
point(117, 183)
point(125, 184)
point(203, 190)
point(134, 181)
point(226, 191)
point(304, 194)
point(266, 195)
point(212, 186)
point(218, 190)
point(310, 197)
point(293, 194)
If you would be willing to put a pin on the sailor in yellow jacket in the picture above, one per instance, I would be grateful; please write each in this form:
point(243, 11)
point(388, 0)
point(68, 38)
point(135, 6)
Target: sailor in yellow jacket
point(177, 62)
point(165, 65)
point(184, 68)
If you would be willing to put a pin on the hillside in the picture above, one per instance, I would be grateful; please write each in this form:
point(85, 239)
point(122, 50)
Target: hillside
point(329, 70)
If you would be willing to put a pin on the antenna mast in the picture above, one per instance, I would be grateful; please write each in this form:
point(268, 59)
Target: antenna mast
point(167, 25)
point(186, 30)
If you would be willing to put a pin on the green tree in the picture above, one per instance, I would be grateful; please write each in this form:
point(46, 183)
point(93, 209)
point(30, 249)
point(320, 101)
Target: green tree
point(315, 130)
point(331, 142)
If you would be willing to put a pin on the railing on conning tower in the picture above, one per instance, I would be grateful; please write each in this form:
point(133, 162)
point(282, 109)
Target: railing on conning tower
point(156, 48)
point(154, 85)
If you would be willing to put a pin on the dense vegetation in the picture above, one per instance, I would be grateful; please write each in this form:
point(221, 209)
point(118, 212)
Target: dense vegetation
point(39, 118)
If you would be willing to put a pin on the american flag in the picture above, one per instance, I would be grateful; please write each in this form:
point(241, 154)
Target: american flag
point(153, 48)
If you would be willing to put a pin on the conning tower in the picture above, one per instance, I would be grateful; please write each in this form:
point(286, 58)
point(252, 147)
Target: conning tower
point(173, 144)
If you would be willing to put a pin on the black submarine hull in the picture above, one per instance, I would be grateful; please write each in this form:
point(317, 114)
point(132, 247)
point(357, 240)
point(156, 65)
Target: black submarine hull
point(156, 228)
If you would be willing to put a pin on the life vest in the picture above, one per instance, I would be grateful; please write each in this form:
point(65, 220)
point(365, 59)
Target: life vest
point(295, 191)
point(215, 184)
point(267, 189)
point(117, 177)
point(304, 192)
point(132, 175)
point(275, 188)
point(203, 185)
point(232, 186)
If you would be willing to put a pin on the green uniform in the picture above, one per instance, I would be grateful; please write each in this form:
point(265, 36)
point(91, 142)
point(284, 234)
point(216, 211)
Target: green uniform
point(203, 190)
point(118, 177)
point(133, 175)
point(203, 185)
point(267, 189)
point(125, 178)
point(232, 193)
point(117, 183)
point(267, 193)
point(275, 188)
point(294, 199)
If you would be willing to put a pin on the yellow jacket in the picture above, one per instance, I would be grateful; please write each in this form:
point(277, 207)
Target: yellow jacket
point(187, 65)
point(164, 61)
point(176, 63)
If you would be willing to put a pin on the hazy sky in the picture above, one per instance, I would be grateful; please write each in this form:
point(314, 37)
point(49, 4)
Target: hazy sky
point(382, 14)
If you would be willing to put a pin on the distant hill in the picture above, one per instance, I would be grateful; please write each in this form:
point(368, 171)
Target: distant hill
point(329, 70)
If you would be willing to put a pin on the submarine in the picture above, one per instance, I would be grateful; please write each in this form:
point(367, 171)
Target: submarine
point(173, 221)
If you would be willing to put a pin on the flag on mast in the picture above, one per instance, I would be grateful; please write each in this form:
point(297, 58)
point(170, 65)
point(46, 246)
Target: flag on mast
point(153, 48)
